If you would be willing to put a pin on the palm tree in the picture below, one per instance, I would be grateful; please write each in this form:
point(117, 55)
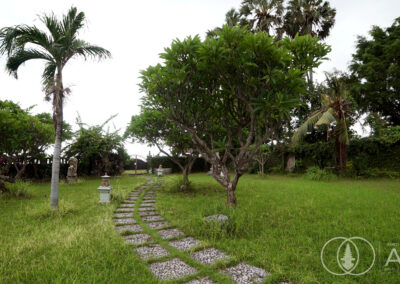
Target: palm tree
point(335, 108)
point(232, 18)
point(313, 17)
point(56, 46)
point(265, 14)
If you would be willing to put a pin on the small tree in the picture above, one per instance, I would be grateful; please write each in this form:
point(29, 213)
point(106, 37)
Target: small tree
point(155, 129)
point(23, 138)
point(261, 157)
point(230, 92)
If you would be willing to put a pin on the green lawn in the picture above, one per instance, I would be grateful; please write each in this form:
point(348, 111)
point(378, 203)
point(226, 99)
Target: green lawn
point(78, 245)
point(280, 224)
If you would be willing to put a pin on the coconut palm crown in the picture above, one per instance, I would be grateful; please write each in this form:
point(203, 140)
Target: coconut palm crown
point(56, 47)
point(335, 108)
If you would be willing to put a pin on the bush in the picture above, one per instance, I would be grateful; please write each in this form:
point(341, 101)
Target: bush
point(19, 189)
point(315, 173)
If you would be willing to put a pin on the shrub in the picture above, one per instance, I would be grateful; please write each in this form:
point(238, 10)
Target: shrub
point(315, 173)
point(19, 189)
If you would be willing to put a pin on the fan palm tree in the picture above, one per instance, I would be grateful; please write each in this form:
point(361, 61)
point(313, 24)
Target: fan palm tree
point(266, 14)
point(313, 17)
point(335, 108)
point(56, 47)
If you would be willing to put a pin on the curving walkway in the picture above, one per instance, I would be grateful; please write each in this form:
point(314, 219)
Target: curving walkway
point(169, 253)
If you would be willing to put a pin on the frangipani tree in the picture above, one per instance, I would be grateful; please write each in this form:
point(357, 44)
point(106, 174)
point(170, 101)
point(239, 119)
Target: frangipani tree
point(156, 129)
point(231, 93)
point(334, 111)
point(56, 47)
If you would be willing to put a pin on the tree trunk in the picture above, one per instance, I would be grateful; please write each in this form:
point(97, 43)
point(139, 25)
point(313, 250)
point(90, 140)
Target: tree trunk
point(20, 171)
point(230, 195)
point(58, 119)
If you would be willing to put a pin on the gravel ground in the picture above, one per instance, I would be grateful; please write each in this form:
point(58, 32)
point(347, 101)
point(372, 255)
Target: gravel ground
point(209, 256)
point(171, 269)
point(153, 218)
point(204, 280)
point(137, 239)
point(124, 210)
point(246, 274)
point(147, 213)
point(184, 244)
point(151, 251)
point(131, 228)
point(158, 225)
point(123, 215)
point(170, 233)
point(125, 221)
point(145, 208)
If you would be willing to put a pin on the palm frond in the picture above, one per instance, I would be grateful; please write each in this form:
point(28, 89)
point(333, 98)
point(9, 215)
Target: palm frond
point(53, 25)
point(327, 118)
point(15, 38)
point(72, 22)
point(21, 56)
point(86, 50)
point(306, 126)
point(342, 131)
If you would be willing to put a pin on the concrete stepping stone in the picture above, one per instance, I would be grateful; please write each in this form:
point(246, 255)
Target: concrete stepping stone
point(147, 213)
point(130, 228)
point(204, 280)
point(124, 210)
point(129, 201)
point(152, 218)
point(146, 208)
point(244, 273)
point(132, 198)
point(158, 225)
point(184, 244)
point(170, 233)
point(148, 197)
point(209, 256)
point(149, 201)
point(147, 205)
point(137, 239)
point(123, 215)
point(171, 269)
point(125, 221)
point(127, 205)
point(151, 251)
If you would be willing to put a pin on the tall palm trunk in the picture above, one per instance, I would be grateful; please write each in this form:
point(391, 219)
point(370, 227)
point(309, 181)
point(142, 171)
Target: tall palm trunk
point(58, 121)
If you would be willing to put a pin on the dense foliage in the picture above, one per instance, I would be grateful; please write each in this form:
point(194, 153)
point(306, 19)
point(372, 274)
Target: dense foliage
point(98, 151)
point(376, 72)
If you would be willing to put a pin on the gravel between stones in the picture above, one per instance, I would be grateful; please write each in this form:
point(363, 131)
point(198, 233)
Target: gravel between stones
point(184, 244)
point(123, 215)
point(125, 221)
point(152, 218)
point(244, 273)
point(158, 225)
point(209, 256)
point(151, 251)
point(171, 269)
point(204, 280)
point(170, 233)
point(137, 239)
point(131, 228)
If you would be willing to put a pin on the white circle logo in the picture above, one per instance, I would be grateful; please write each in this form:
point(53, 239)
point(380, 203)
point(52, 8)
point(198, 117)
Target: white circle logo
point(347, 256)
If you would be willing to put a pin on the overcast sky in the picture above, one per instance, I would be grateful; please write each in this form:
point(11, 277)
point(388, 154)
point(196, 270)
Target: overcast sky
point(136, 32)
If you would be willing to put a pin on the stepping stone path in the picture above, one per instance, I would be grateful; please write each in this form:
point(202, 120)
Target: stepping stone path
point(142, 230)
